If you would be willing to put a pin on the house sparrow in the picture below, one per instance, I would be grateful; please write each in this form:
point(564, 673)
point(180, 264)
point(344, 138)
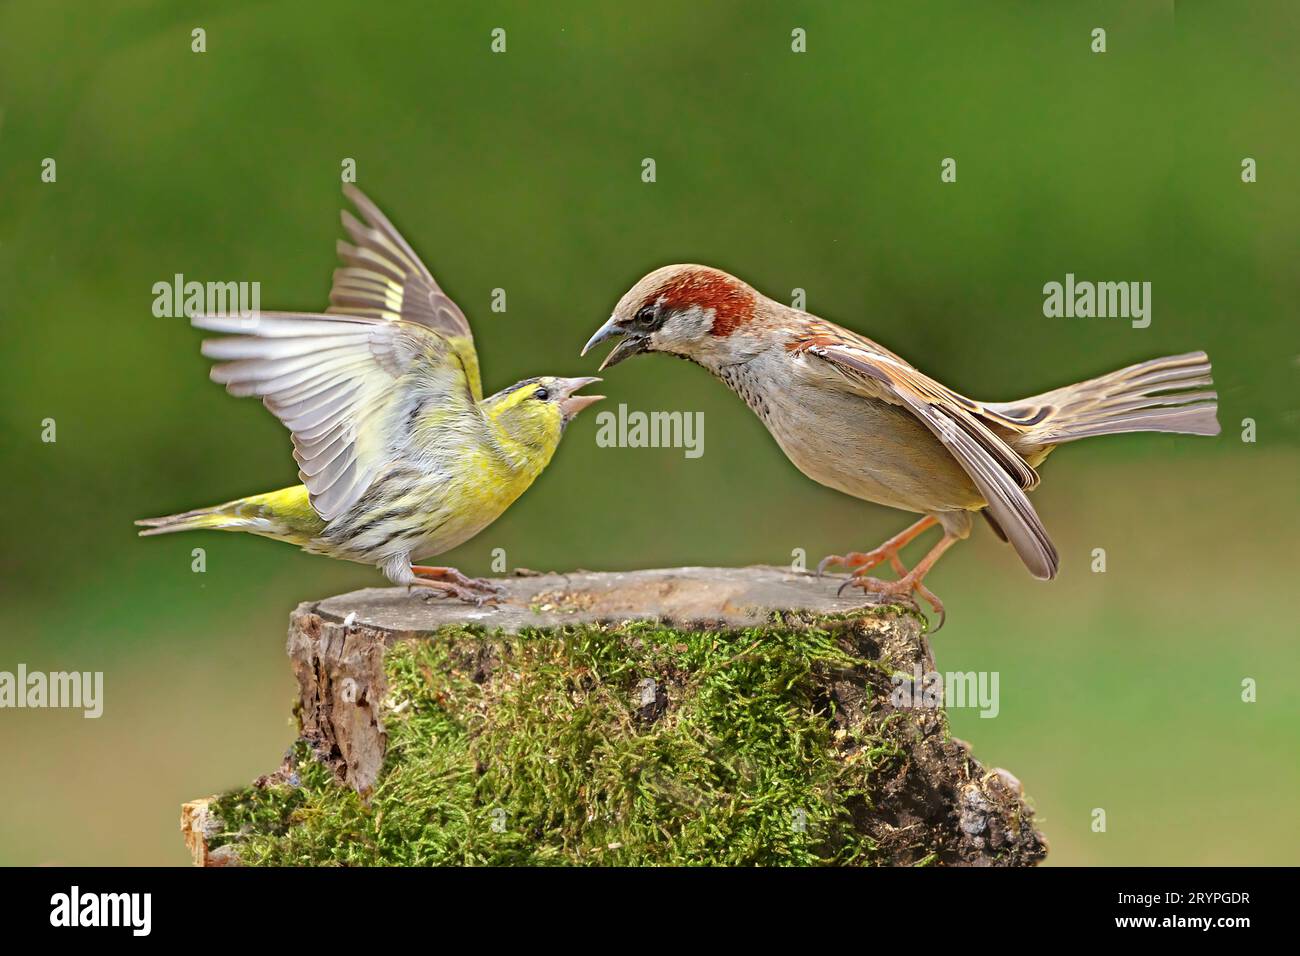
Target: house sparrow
point(854, 416)
point(400, 455)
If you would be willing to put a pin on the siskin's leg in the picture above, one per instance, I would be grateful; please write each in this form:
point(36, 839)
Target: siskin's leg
point(911, 581)
point(447, 589)
point(863, 561)
point(451, 583)
point(447, 582)
point(431, 573)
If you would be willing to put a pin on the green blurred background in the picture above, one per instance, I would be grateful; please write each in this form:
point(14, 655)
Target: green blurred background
point(522, 171)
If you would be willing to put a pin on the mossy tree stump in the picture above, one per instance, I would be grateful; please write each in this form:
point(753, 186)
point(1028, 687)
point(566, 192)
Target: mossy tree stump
point(693, 715)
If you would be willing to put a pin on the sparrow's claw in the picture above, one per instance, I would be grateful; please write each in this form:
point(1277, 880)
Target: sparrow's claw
point(909, 582)
point(827, 561)
point(859, 562)
point(903, 590)
point(935, 604)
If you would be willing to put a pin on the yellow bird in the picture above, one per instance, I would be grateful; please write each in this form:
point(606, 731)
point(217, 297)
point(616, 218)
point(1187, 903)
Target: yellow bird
point(400, 455)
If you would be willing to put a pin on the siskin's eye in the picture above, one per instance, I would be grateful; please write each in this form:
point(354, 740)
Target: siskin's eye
point(542, 394)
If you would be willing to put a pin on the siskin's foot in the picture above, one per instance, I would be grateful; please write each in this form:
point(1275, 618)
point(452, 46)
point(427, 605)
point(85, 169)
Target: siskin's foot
point(443, 589)
point(452, 576)
point(901, 590)
point(450, 583)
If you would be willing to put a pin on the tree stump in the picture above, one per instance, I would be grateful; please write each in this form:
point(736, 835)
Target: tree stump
point(683, 716)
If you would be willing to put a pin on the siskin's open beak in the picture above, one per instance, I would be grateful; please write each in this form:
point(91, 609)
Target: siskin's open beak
point(632, 344)
point(571, 404)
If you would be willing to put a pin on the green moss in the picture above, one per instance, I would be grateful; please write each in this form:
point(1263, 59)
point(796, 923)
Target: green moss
point(551, 758)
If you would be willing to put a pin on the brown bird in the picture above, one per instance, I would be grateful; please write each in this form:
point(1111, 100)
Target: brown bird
point(855, 417)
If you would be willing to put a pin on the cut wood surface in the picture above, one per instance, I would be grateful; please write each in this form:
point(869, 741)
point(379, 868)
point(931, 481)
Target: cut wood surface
point(731, 597)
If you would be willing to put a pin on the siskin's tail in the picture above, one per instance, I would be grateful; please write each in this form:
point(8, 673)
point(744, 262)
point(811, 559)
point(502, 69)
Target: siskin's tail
point(1169, 394)
point(285, 515)
point(225, 517)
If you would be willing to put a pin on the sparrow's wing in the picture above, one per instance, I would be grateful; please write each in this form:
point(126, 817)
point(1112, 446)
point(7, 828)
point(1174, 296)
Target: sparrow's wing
point(349, 388)
point(382, 278)
point(999, 473)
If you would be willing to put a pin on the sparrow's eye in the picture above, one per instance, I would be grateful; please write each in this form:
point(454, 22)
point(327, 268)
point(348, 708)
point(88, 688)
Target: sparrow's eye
point(645, 316)
point(542, 394)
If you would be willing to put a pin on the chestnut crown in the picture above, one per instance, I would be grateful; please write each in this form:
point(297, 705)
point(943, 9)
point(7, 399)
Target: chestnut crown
point(679, 309)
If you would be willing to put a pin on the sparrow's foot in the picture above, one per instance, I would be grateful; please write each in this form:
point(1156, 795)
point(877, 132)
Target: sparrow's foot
point(452, 576)
point(860, 562)
point(902, 590)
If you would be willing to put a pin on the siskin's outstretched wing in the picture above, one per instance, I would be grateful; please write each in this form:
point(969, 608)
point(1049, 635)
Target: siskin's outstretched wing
point(382, 278)
point(349, 388)
point(999, 473)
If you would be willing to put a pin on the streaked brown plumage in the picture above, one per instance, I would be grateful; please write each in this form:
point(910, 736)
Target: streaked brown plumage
point(852, 415)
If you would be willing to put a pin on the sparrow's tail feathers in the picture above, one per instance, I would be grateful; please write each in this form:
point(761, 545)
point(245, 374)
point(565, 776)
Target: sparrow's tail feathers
point(1170, 394)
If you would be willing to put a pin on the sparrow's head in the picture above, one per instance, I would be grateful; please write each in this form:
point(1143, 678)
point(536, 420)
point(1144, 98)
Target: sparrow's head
point(691, 311)
point(535, 411)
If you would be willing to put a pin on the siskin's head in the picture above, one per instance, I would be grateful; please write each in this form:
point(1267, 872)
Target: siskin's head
point(535, 411)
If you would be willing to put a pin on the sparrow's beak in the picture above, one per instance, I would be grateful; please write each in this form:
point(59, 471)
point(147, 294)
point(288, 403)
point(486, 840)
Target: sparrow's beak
point(632, 344)
point(571, 404)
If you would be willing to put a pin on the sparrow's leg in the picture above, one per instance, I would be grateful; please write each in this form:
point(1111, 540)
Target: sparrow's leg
point(911, 581)
point(864, 561)
point(429, 573)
